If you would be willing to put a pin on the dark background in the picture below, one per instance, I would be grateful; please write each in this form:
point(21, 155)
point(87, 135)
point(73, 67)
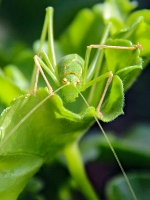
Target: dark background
point(26, 17)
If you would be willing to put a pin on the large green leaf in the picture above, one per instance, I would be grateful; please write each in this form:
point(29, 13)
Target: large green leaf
point(118, 189)
point(115, 11)
point(113, 106)
point(128, 67)
point(125, 65)
point(137, 30)
point(33, 135)
point(133, 150)
point(77, 37)
point(8, 87)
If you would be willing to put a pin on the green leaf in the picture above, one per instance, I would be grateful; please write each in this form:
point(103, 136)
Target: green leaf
point(125, 63)
point(117, 188)
point(15, 75)
point(16, 170)
point(77, 37)
point(128, 75)
point(8, 89)
point(115, 11)
point(113, 106)
point(50, 111)
point(134, 147)
point(137, 30)
point(118, 59)
point(33, 135)
point(89, 147)
point(141, 33)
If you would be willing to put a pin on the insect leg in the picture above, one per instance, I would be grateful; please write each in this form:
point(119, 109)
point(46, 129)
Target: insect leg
point(109, 76)
point(86, 63)
point(95, 64)
point(103, 95)
point(93, 69)
point(51, 50)
point(39, 69)
point(47, 31)
point(44, 57)
point(101, 46)
point(47, 67)
point(36, 80)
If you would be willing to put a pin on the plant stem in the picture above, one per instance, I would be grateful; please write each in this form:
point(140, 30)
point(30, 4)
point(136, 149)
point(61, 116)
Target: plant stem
point(76, 168)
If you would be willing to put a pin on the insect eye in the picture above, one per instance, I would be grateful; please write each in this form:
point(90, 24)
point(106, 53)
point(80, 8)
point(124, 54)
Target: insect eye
point(64, 80)
point(78, 81)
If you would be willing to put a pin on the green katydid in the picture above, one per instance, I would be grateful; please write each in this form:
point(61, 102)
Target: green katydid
point(51, 139)
point(72, 70)
point(74, 75)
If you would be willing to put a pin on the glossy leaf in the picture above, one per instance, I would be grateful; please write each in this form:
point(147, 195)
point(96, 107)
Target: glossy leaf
point(128, 67)
point(8, 88)
point(77, 37)
point(133, 149)
point(15, 75)
point(138, 28)
point(117, 187)
point(115, 11)
point(113, 106)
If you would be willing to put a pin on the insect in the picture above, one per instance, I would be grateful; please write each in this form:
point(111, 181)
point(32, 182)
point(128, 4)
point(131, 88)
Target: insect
point(73, 75)
point(72, 72)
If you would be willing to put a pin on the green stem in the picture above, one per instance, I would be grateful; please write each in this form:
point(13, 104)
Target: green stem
point(77, 171)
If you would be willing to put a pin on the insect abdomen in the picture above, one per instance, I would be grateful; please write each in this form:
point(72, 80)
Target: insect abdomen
point(70, 64)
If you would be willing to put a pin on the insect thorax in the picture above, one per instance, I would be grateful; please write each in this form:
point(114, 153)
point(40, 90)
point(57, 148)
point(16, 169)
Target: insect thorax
point(70, 73)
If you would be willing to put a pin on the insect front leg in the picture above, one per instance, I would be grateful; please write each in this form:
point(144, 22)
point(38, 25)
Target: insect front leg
point(39, 69)
point(36, 80)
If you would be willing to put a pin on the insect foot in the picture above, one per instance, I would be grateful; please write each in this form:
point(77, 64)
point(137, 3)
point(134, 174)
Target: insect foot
point(139, 46)
point(100, 115)
point(51, 95)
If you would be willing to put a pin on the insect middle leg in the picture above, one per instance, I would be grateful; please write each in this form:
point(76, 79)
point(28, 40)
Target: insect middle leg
point(103, 95)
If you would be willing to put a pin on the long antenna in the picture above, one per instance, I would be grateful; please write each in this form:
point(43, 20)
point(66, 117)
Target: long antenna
point(112, 149)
